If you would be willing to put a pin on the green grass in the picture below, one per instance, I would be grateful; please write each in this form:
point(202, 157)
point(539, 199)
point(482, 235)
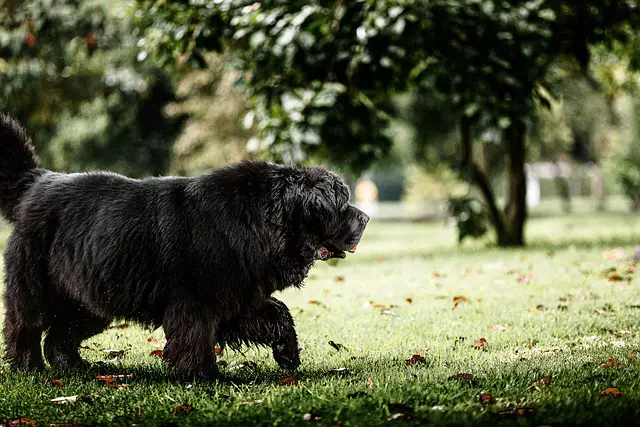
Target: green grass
point(554, 311)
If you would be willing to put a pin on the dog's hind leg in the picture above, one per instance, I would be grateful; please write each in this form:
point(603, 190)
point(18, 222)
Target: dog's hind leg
point(71, 324)
point(268, 324)
point(25, 306)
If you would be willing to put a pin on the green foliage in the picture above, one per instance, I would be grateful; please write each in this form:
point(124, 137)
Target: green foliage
point(69, 72)
point(627, 162)
point(470, 217)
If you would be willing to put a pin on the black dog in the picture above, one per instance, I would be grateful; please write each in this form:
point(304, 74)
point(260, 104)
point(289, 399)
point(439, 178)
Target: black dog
point(199, 256)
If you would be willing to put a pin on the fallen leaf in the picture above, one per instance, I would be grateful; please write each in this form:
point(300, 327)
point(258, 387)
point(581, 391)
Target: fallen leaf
point(318, 303)
point(66, 400)
point(498, 328)
point(542, 381)
point(19, 421)
point(156, 343)
point(524, 278)
point(415, 359)
point(219, 351)
point(613, 254)
point(401, 416)
point(409, 300)
point(114, 380)
point(611, 391)
point(182, 409)
point(310, 417)
point(337, 346)
point(468, 378)
point(114, 353)
point(339, 279)
point(369, 383)
point(156, 353)
point(611, 363)
point(481, 344)
point(437, 274)
point(485, 398)
point(29, 39)
point(340, 371)
point(57, 383)
point(290, 380)
point(517, 412)
point(615, 277)
point(631, 357)
point(457, 300)
point(121, 326)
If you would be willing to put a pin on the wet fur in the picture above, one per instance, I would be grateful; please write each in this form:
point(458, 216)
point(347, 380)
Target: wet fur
point(199, 256)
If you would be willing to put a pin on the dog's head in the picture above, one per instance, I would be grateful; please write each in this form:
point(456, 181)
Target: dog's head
point(330, 223)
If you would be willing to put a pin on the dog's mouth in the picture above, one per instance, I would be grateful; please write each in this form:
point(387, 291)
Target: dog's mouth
point(328, 251)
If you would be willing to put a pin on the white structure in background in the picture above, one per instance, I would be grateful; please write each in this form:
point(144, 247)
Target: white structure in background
point(367, 196)
point(533, 188)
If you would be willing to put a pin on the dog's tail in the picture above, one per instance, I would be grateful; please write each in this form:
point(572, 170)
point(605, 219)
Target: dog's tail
point(18, 165)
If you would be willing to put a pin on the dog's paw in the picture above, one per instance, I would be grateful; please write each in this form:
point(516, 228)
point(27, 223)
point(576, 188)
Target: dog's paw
point(286, 357)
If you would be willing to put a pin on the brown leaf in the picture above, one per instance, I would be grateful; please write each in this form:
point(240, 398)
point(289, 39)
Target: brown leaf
point(524, 278)
point(122, 326)
point(114, 380)
point(485, 398)
point(542, 381)
point(481, 344)
point(117, 354)
point(409, 300)
point(318, 303)
point(615, 277)
point(219, 351)
point(468, 378)
point(337, 346)
point(182, 409)
point(369, 383)
point(339, 279)
point(57, 383)
point(156, 353)
point(517, 412)
point(631, 357)
point(19, 421)
point(156, 343)
point(498, 328)
point(613, 254)
point(611, 391)
point(611, 363)
point(290, 380)
point(415, 359)
point(90, 39)
point(30, 39)
point(457, 300)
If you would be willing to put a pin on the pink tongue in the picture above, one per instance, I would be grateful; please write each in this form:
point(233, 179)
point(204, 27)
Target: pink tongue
point(353, 250)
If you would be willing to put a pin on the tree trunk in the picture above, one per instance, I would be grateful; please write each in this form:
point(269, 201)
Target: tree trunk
point(479, 177)
point(516, 209)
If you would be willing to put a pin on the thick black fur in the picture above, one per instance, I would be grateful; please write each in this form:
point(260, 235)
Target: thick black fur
point(199, 256)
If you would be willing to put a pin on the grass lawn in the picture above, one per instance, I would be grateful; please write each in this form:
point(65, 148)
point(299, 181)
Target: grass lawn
point(558, 334)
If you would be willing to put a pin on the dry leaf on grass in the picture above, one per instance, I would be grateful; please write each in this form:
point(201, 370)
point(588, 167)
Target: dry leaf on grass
point(290, 380)
point(156, 353)
point(414, 360)
point(457, 300)
point(524, 278)
point(611, 391)
point(369, 383)
point(481, 344)
point(517, 412)
point(339, 279)
point(542, 381)
point(318, 303)
point(461, 377)
point(409, 300)
point(337, 346)
point(156, 343)
point(70, 400)
point(117, 354)
point(182, 409)
point(498, 328)
point(310, 417)
point(486, 398)
point(21, 421)
point(613, 254)
point(114, 380)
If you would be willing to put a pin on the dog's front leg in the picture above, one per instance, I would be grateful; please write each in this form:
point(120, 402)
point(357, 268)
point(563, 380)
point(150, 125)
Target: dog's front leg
point(191, 332)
